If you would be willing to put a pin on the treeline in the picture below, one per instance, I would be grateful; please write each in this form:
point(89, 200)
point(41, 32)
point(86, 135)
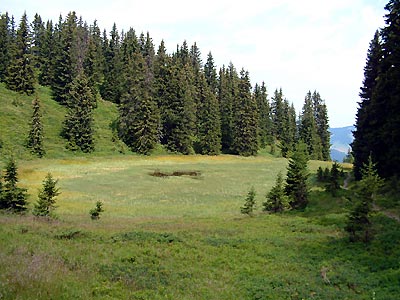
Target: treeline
point(377, 133)
point(169, 99)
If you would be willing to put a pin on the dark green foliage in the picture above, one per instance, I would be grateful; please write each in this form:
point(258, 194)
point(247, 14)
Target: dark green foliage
point(378, 122)
point(366, 130)
point(12, 197)
point(20, 73)
point(288, 137)
point(209, 126)
point(211, 73)
point(138, 113)
point(35, 137)
point(264, 115)
point(359, 219)
point(111, 88)
point(322, 125)
point(227, 91)
point(249, 202)
point(78, 123)
point(334, 178)
point(297, 175)
point(245, 120)
point(308, 129)
point(38, 32)
point(93, 63)
point(277, 200)
point(95, 212)
point(46, 197)
point(6, 43)
point(177, 109)
point(64, 59)
point(46, 54)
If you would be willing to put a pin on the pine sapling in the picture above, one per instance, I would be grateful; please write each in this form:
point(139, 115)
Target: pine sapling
point(95, 212)
point(250, 203)
point(277, 200)
point(47, 194)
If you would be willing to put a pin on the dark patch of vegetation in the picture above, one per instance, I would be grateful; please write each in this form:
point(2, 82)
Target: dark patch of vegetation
point(142, 236)
point(69, 234)
point(158, 173)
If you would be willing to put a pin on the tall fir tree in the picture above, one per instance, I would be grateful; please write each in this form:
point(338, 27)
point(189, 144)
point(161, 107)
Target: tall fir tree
point(288, 137)
point(6, 42)
point(46, 55)
point(365, 127)
point(208, 120)
point(382, 138)
point(112, 87)
point(211, 73)
point(78, 123)
point(322, 124)
point(138, 113)
point(35, 137)
point(297, 175)
point(264, 115)
point(308, 131)
point(38, 32)
point(20, 73)
point(65, 58)
point(227, 90)
point(245, 121)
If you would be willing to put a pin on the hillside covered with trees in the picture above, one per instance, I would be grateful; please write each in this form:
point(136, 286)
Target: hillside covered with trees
point(377, 132)
point(174, 100)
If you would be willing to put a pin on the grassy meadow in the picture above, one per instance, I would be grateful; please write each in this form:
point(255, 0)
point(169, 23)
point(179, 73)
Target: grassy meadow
point(184, 237)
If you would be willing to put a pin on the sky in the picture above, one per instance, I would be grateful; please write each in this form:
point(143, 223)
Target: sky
point(296, 45)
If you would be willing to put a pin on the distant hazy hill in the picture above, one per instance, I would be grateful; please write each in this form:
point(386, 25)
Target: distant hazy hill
point(341, 139)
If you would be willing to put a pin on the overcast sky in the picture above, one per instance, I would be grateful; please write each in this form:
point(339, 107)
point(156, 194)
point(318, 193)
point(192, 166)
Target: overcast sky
point(298, 45)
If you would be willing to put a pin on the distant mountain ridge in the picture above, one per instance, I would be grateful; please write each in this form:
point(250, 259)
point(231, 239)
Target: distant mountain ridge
point(341, 138)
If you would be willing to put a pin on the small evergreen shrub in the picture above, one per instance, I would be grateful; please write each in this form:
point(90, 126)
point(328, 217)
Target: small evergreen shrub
point(95, 212)
point(249, 202)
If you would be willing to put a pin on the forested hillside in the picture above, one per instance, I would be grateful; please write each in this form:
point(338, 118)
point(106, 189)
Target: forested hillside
point(377, 131)
point(172, 100)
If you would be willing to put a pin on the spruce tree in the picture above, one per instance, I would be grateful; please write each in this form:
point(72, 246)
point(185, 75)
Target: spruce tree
point(45, 204)
point(227, 90)
point(245, 119)
point(38, 32)
point(322, 125)
point(365, 132)
point(264, 115)
point(209, 126)
point(249, 203)
point(6, 43)
point(13, 198)
point(78, 123)
point(277, 200)
point(20, 73)
point(138, 113)
point(359, 220)
point(112, 88)
point(308, 131)
point(333, 185)
point(288, 137)
point(35, 137)
point(211, 73)
point(64, 59)
point(46, 56)
point(297, 175)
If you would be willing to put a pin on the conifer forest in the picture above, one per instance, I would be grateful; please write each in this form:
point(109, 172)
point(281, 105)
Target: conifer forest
point(174, 99)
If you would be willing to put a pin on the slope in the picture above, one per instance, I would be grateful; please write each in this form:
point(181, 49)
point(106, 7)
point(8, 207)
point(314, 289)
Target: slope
point(15, 114)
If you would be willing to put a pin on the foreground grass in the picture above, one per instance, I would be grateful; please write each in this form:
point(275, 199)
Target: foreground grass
point(184, 238)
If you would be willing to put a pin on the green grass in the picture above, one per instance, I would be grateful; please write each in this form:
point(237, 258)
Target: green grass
point(15, 115)
point(184, 237)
